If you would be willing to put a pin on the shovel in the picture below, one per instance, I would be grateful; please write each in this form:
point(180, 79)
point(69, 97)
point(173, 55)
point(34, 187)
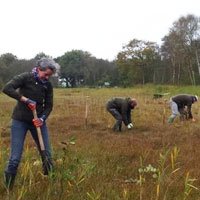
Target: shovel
point(47, 164)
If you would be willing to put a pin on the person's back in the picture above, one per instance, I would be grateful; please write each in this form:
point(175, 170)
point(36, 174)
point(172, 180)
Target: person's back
point(178, 104)
point(120, 109)
point(118, 103)
point(184, 99)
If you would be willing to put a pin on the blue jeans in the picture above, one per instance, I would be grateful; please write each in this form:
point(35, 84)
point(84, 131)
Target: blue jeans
point(19, 130)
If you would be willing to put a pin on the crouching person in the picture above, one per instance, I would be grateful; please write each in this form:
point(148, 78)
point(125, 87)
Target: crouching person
point(32, 90)
point(181, 105)
point(120, 109)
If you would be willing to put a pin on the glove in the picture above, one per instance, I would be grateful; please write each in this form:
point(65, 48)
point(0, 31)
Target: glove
point(130, 126)
point(38, 122)
point(31, 104)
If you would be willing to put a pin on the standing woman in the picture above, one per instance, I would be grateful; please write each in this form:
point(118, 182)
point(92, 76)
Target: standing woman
point(32, 90)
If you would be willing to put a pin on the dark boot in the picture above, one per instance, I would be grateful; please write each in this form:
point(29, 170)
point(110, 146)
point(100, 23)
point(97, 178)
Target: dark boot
point(170, 120)
point(9, 180)
point(118, 126)
point(47, 167)
point(47, 164)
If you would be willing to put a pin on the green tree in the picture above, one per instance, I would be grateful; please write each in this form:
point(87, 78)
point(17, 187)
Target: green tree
point(138, 61)
point(80, 68)
point(73, 64)
point(41, 55)
point(180, 47)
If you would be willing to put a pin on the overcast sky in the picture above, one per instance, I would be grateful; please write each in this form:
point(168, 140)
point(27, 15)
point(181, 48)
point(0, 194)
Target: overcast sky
point(100, 27)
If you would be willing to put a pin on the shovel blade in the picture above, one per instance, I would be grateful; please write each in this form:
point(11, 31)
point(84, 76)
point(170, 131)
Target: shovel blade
point(46, 163)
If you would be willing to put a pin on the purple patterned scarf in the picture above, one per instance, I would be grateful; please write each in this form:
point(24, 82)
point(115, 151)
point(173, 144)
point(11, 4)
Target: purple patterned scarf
point(36, 76)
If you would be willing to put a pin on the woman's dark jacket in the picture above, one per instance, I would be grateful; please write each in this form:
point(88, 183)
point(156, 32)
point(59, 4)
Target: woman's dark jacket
point(26, 85)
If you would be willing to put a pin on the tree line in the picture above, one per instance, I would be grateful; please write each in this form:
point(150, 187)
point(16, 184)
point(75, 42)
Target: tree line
point(175, 61)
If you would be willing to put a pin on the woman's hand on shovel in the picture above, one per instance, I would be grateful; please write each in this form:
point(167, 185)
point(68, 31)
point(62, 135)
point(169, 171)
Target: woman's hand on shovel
point(38, 122)
point(31, 104)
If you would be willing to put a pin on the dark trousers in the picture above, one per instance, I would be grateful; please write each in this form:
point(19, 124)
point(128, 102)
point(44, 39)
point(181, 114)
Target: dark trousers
point(115, 113)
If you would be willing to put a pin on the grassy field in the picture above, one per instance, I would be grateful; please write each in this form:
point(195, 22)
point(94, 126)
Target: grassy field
point(154, 160)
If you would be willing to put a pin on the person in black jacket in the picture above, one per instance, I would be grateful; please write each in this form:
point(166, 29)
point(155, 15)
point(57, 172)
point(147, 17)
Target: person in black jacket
point(181, 105)
point(32, 90)
point(120, 109)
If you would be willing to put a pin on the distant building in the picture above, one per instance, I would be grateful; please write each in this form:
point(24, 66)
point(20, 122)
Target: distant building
point(65, 83)
point(107, 84)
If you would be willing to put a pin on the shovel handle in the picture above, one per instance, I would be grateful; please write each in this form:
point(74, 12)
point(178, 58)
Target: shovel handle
point(39, 133)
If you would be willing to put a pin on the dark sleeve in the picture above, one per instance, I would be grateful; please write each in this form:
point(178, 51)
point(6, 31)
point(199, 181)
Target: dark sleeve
point(124, 111)
point(48, 102)
point(189, 107)
point(129, 116)
point(11, 87)
point(189, 111)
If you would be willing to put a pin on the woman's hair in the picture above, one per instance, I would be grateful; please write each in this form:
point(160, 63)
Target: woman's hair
point(47, 63)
